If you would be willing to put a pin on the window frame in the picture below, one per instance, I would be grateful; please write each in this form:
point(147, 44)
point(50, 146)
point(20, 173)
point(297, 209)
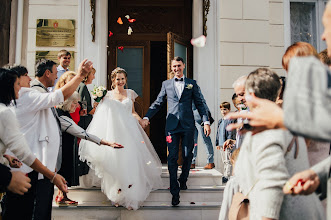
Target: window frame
point(320, 6)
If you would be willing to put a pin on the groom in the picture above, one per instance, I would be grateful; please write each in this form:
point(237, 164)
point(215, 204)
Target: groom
point(179, 92)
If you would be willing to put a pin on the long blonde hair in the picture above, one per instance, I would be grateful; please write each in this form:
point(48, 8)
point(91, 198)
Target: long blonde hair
point(64, 79)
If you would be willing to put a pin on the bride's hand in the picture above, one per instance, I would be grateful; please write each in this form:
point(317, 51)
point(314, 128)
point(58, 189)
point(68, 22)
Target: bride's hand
point(110, 144)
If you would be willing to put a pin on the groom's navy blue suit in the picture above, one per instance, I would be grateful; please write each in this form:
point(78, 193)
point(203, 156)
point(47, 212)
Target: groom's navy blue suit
point(179, 124)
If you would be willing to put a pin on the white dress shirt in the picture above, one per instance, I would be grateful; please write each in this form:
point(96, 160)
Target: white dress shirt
point(179, 85)
point(38, 124)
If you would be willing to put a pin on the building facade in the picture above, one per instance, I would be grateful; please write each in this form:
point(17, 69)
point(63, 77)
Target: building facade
point(242, 35)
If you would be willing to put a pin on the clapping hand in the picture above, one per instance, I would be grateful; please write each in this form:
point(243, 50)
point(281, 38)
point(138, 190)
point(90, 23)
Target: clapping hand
point(111, 144)
point(13, 161)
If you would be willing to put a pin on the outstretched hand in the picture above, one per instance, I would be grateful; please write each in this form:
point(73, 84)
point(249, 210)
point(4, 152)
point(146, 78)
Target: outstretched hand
point(264, 115)
point(304, 183)
point(61, 183)
point(111, 144)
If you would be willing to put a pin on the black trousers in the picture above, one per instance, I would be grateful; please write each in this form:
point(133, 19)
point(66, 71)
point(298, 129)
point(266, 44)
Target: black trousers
point(187, 137)
point(36, 204)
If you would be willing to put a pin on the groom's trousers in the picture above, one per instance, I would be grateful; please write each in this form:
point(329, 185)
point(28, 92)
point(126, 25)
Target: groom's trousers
point(187, 137)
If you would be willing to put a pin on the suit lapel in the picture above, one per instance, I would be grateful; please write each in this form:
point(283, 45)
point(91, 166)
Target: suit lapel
point(186, 82)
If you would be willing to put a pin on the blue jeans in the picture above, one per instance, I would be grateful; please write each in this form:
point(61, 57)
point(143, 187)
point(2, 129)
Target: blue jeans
point(207, 143)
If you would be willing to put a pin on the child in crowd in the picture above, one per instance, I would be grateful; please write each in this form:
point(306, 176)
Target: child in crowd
point(231, 188)
point(223, 135)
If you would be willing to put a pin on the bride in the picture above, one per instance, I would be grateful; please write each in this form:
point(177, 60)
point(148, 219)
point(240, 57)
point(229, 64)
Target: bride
point(127, 176)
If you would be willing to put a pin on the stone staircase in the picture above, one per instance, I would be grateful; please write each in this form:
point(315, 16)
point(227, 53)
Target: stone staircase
point(202, 200)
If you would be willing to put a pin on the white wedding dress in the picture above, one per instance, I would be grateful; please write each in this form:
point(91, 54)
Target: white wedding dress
point(128, 174)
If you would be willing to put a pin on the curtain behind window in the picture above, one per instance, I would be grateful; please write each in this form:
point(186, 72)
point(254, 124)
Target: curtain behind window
point(303, 22)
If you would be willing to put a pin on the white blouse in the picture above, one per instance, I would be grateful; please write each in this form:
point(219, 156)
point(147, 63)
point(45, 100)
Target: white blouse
point(12, 139)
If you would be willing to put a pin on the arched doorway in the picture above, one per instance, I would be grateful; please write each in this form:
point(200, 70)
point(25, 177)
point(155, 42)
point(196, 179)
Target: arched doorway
point(146, 51)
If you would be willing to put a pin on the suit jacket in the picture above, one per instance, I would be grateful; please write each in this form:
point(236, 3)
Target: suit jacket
point(179, 108)
point(85, 96)
point(196, 114)
point(223, 135)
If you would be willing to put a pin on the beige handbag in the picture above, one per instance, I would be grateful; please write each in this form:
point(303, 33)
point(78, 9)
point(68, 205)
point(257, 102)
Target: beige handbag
point(239, 209)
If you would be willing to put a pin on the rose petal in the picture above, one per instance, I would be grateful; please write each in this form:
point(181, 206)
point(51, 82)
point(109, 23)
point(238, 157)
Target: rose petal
point(127, 16)
point(121, 48)
point(119, 20)
point(199, 42)
point(132, 20)
point(130, 30)
point(110, 34)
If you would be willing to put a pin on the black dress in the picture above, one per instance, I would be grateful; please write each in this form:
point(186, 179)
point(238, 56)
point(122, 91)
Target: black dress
point(70, 161)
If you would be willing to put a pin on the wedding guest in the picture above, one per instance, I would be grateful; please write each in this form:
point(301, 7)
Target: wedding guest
point(235, 101)
point(69, 166)
point(266, 160)
point(85, 120)
point(39, 124)
point(239, 88)
point(231, 187)
point(64, 79)
point(64, 58)
point(298, 49)
point(317, 150)
point(221, 136)
point(11, 138)
point(324, 58)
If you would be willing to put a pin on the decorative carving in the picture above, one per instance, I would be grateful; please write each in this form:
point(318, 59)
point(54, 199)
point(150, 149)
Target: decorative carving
point(92, 8)
point(206, 6)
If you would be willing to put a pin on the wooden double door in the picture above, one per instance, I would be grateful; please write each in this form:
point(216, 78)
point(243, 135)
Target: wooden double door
point(147, 52)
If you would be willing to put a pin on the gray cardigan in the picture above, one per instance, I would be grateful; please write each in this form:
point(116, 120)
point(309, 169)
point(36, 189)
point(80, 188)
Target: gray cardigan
point(262, 160)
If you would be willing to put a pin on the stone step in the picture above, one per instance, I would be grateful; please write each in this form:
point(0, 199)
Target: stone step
point(150, 211)
point(85, 196)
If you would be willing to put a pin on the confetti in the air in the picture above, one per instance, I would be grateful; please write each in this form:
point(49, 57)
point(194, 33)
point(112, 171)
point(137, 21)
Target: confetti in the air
point(199, 42)
point(130, 30)
point(119, 20)
point(121, 48)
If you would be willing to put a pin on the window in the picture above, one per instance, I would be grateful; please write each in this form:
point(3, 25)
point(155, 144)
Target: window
point(305, 22)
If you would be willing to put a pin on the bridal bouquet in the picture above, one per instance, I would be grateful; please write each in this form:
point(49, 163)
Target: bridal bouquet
point(98, 93)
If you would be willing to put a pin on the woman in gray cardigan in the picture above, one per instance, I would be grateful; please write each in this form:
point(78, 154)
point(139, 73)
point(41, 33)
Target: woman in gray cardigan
point(264, 165)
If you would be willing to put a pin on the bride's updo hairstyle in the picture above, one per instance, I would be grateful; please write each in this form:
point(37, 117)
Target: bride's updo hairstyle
point(114, 74)
point(264, 83)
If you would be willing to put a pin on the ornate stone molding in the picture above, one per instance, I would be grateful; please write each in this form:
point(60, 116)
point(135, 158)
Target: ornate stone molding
point(206, 5)
point(92, 8)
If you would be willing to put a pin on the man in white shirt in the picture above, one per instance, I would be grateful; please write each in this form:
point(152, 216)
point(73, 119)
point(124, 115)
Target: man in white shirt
point(39, 124)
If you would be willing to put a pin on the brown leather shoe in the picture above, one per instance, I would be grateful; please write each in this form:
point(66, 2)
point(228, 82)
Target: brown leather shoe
point(209, 166)
point(192, 166)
